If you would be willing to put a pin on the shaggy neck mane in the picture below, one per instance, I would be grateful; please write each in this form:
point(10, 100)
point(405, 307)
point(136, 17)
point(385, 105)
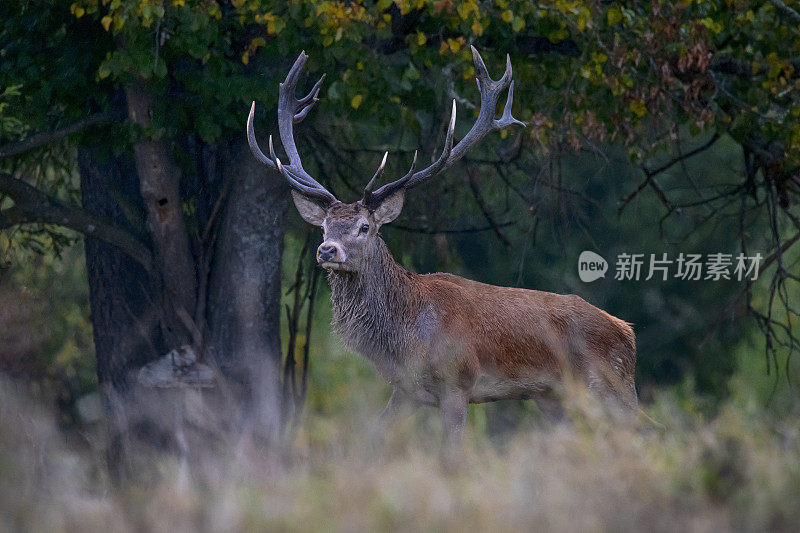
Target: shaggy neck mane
point(373, 306)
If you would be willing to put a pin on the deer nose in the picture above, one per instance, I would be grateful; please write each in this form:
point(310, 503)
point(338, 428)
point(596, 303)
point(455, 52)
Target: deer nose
point(327, 253)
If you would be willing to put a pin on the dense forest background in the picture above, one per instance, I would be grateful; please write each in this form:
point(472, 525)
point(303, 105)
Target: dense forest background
point(133, 219)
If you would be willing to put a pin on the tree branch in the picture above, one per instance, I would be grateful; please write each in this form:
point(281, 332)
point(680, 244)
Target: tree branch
point(650, 175)
point(744, 69)
point(457, 231)
point(777, 253)
point(533, 44)
point(786, 10)
point(473, 185)
point(687, 155)
point(33, 206)
point(40, 139)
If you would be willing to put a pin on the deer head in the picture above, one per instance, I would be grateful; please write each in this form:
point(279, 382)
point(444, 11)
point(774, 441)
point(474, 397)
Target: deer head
point(351, 230)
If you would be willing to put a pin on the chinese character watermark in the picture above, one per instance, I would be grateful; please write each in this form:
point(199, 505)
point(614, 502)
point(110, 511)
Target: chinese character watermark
point(629, 267)
point(686, 267)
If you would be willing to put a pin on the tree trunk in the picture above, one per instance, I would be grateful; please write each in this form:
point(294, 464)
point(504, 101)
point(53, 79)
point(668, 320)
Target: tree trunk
point(244, 291)
point(159, 182)
point(124, 319)
point(242, 311)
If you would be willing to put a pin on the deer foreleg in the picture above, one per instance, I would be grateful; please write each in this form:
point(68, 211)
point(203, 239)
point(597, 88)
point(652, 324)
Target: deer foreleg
point(453, 404)
point(400, 404)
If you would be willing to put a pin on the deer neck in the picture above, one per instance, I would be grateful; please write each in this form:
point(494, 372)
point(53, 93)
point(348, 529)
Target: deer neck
point(372, 307)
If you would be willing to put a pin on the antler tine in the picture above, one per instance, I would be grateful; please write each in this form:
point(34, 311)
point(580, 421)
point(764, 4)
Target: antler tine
point(272, 150)
point(308, 101)
point(251, 140)
point(372, 200)
point(506, 119)
point(481, 73)
point(439, 165)
point(287, 108)
point(490, 91)
point(377, 174)
point(313, 93)
point(413, 164)
point(291, 111)
point(509, 72)
point(310, 191)
point(275, 158)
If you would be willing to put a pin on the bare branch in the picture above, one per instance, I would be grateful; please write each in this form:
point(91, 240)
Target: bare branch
point(705, 146)
point(487, 214)
point(744, 69)
point(33, 206)
point(786, 10)
point(40, 139)
point(650, 175)
point(777, 253)
point(457, 231)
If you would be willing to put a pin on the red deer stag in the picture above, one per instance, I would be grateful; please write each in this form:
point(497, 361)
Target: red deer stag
point(440, 339)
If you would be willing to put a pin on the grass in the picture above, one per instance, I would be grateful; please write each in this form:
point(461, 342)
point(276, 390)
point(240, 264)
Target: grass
point(733, 465)
point(737, 469)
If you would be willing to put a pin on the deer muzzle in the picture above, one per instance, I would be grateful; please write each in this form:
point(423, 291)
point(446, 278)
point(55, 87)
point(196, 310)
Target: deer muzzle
point(329, 254)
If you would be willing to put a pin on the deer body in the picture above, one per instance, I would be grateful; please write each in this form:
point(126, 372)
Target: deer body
point(440, 339)
point(427, 334)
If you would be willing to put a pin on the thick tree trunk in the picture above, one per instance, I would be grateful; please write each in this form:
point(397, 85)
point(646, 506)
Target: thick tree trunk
point(159, 182)
point(244, 292)
point(242, 313)
point(124, 320)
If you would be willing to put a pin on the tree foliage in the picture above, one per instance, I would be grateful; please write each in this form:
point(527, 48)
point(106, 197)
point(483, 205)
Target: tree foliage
point(659, 82)
point(595, 71)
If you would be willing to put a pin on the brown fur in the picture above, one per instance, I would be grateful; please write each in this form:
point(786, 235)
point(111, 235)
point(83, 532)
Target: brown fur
point(521, 336)
point(443, 340)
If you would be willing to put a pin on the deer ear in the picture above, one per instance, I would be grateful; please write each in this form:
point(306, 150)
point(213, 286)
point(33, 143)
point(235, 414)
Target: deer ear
point(390, 208)
point(311, 212)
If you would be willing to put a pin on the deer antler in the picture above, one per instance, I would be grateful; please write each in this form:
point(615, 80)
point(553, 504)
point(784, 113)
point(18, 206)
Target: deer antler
point(291, 111)
point(490, 91)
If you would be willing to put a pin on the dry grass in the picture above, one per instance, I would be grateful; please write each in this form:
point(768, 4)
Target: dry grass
point(738, 471)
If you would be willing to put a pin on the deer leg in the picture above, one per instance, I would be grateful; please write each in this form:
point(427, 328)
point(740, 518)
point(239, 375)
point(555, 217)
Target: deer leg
point(453, 404)
point(399, 405)
point(552, 409)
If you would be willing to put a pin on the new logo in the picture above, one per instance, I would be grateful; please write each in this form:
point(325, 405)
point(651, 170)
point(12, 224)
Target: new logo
point(591, 266)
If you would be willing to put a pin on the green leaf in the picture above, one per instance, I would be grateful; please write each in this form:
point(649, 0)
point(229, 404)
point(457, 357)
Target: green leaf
point(614, 16)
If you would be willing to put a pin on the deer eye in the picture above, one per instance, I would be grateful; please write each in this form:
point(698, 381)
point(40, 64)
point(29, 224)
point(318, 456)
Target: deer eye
point(364, 228)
